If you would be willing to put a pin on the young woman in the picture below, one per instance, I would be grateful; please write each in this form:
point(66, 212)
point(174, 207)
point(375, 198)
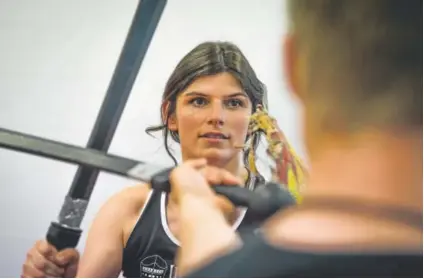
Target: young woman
point(206, 107)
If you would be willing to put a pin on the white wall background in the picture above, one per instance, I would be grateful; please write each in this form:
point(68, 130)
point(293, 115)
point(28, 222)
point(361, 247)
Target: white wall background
point(56, 60)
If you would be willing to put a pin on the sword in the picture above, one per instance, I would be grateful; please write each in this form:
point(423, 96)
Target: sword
point(263, 202)
point(66, 232)
point(156, 175)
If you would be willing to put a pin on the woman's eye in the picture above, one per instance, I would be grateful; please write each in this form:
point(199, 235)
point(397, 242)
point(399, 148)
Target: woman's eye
point(234, 103)
point(198, 102)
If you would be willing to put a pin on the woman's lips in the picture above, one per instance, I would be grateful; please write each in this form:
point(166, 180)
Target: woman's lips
point(214, 137)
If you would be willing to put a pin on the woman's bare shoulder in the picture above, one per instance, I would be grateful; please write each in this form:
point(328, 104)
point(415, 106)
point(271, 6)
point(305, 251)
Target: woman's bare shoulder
point(129, 199)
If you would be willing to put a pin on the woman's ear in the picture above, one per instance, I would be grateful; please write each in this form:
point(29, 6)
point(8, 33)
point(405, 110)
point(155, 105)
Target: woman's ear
point(169, 120)
point(172, 123)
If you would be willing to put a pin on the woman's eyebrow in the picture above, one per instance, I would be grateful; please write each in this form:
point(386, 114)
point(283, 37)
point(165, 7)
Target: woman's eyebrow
point(243, 94)
point(196, 93)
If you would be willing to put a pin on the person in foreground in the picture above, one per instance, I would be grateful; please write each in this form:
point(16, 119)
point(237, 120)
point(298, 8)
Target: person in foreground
point(357, 68)
point(207, 103)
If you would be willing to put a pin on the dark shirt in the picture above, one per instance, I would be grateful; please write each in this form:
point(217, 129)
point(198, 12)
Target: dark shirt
point(257, 258)
point(151, 247)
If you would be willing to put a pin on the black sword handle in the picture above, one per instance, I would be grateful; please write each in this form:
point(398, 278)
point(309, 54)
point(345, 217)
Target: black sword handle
point(62, 237)
point(234, 193)
point(264, 201)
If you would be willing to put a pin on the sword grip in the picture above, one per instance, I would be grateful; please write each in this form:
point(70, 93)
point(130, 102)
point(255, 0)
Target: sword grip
point(62, 237)
point(264, 201)
point(237, 195)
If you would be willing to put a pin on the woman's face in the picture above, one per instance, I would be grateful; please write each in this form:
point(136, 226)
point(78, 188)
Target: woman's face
point(212, 117)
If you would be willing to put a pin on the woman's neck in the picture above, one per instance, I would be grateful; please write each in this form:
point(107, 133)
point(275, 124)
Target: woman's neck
point(236, 167)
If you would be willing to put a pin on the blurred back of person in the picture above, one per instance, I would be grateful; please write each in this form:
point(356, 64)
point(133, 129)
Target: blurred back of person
point(356, 66)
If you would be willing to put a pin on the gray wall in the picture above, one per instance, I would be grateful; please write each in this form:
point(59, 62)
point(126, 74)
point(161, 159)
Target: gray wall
point(56, 59)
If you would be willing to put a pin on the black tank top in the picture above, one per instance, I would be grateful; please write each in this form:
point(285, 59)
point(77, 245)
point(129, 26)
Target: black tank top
point(151, 247)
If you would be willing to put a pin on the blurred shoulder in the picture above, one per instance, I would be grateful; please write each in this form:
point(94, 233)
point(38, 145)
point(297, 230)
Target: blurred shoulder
point(129, 199)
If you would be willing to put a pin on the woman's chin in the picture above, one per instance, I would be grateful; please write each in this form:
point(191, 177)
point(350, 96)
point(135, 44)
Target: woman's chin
point(216, 156)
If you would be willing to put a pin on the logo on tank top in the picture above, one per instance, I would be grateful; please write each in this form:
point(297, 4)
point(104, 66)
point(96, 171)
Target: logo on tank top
point(156, 267)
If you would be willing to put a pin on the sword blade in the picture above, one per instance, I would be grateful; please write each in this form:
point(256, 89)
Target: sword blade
point(73, 154)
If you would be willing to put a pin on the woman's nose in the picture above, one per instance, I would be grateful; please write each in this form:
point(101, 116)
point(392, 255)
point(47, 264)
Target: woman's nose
point(216, 116)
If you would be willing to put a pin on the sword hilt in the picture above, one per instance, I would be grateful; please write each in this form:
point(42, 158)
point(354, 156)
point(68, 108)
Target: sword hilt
point(264, 201)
